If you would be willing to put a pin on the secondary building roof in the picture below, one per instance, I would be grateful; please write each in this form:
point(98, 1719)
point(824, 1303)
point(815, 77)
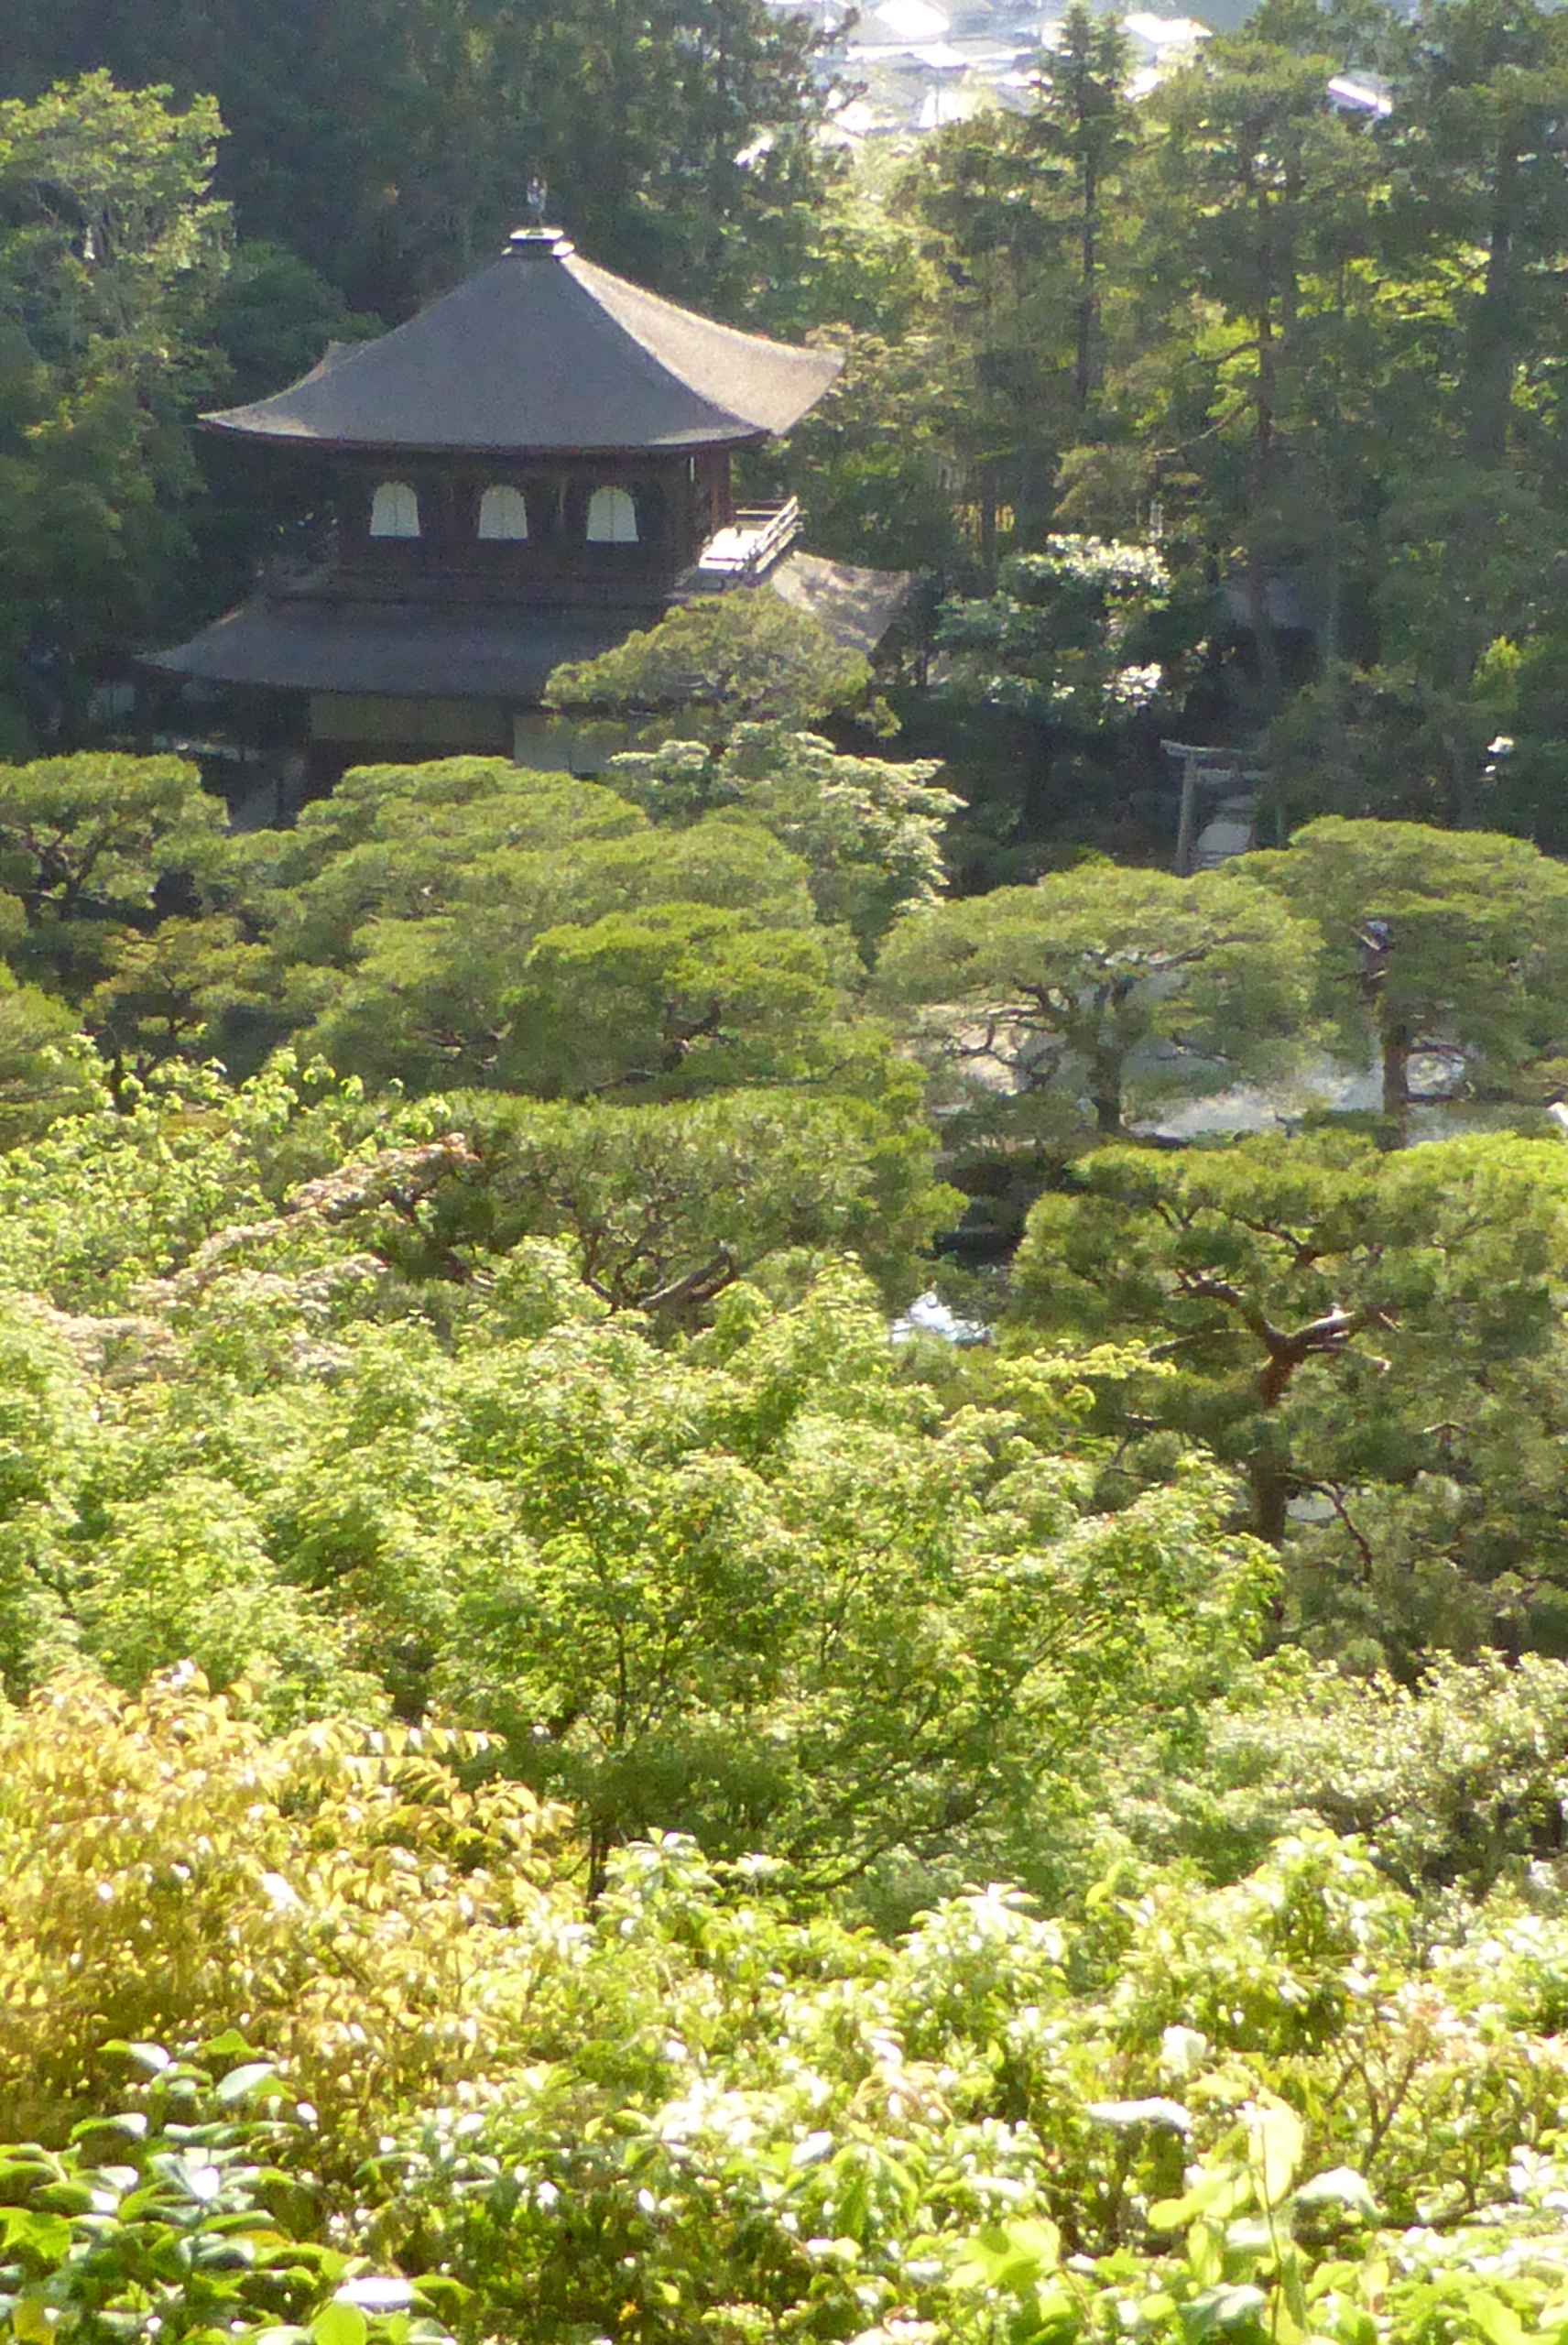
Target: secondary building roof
point(480, 652)
point(543, 350)
point(399, 650)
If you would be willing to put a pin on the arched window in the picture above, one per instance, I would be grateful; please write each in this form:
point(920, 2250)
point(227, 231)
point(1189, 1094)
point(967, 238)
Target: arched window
point(394, 510)
point(502, 513)
point(612, 518)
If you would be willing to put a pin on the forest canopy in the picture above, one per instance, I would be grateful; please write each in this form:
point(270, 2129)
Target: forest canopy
point(1222, 410)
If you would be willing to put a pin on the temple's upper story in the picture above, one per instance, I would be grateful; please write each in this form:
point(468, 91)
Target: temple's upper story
point(530, 468)
point(543, 352)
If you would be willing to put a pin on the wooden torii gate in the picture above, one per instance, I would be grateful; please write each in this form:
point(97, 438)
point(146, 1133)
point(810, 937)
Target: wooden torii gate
point(1219, 793)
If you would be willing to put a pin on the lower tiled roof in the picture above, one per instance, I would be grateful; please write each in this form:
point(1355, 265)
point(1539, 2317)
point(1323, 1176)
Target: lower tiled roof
point(480, 652)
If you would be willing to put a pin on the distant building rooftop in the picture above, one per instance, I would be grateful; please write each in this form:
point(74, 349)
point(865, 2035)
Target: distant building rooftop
point(905, 20)
point(1165, 33)
point(1353, 95)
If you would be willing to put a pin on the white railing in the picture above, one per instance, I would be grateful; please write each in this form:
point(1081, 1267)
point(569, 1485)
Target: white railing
point(752, 540)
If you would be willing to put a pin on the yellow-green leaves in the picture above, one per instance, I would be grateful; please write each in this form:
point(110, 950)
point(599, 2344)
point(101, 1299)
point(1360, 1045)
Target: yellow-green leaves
point(339, 2324)
point(141, 1847)
point(1014, 2256)
point(1274, 2138)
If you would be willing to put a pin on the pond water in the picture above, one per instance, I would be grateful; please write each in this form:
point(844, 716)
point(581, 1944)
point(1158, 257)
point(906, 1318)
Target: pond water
point(1324, 1084)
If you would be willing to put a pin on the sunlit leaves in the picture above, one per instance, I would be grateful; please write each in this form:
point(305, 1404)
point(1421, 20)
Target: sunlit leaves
point(166, 1867)
point(719, 660)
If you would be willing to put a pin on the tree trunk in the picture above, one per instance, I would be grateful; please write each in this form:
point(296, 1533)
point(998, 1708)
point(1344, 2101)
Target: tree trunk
point(1271, 1486)
point(1105, 1092)
point(1084, 364)
point(598, 1866)
point(1462, 780)
point(1265, 409)
point(1493, 335)
point(1396, 1081)
point(988, 529)
point(1270, 675)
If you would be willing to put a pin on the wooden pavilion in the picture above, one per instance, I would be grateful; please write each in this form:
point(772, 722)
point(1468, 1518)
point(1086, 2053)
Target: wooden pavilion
point(531, 467)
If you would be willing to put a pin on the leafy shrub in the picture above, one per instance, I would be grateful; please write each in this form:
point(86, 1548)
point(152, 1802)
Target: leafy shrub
point(1289, 2108)
point(167, 1870)
point(157, 2222)
point(1458, 1781)
point(1272, 2111)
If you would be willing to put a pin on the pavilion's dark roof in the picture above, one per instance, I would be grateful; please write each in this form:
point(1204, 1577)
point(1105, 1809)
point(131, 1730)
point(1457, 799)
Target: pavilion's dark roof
point(405, 650)
point(543, 350)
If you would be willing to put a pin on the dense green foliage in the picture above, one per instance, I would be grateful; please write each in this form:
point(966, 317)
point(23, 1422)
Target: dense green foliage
point(753, 1586)
point(520, 1644)
point(719, 660)
point(1375, 1334)
point(391, 148)
point(511, 1673)
point(638, 1019)
point(1292, 2107)
point(110, 248)
point(1101, 983)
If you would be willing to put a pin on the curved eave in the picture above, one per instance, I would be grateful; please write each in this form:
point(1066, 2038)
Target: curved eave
point(233, 423)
